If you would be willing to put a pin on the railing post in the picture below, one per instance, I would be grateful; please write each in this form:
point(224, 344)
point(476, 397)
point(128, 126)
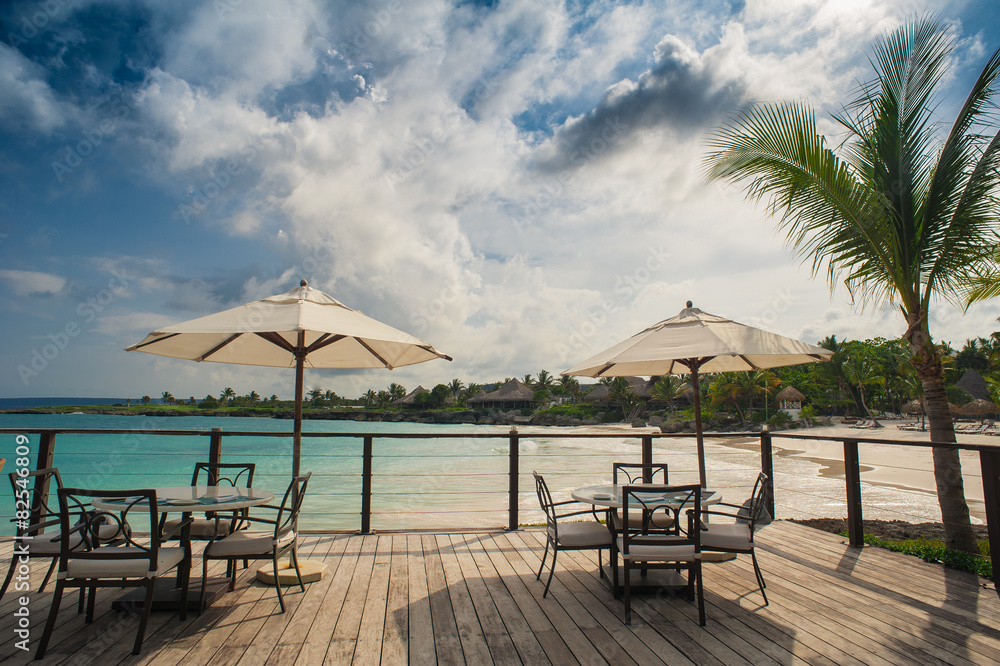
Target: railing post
point(366, 486)
point(46, 454)
point(515, 446)
point(214, 455)
point(990, 462)
point(852, 474)
point(767, 467)
point(647, 458)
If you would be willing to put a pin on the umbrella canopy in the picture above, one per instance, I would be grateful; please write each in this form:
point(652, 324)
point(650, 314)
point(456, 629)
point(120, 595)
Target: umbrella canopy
point(302, 327)
point(979, 407)
point(694, 342)
point(913, 407)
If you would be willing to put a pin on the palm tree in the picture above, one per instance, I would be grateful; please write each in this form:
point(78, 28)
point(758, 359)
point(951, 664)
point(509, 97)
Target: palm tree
point(397, 391)
point(900, 216)
point(253, 398)
point(226, 395)
point(370, 398)
point(471, 390)
point(527, 380)
point(456, 386)
point(861, 373)
point(273, 399)
point(667, 389)
point(331, 397)
point(545, 380)
point(168, 398)
point(571, 385)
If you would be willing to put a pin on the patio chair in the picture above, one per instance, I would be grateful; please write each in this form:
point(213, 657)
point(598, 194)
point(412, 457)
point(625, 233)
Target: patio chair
point(737, 537)
point(215, 474)
point(565, 535)
point(635, 473)
point(652, 547)
point(88, 560)
point(271, 544)
point(30, 505)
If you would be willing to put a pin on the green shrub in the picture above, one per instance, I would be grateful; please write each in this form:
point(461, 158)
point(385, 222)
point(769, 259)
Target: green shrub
point(780, 419)
point(935, 551)
point(808, 415)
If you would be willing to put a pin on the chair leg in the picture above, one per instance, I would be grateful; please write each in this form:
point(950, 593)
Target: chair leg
point(83, 597)
point(545, 555)
point(628, 594)
point(277, 583)
point(552, 571)
point(600, 564)
point(204, 579)
point(760, 576)
point(50, 624)
point(295, 565)
point(91, 600)
point(701, 594)
point(45, 581)
point(137, 648)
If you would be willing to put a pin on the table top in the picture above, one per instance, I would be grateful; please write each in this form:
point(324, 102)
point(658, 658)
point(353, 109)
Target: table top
point(611, 496)
point(195, 498)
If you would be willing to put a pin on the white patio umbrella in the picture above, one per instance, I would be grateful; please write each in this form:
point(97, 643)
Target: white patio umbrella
point(302, 327)
point(695, 342)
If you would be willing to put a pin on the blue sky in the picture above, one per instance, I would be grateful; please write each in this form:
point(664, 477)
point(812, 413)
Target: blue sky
point(516, 182)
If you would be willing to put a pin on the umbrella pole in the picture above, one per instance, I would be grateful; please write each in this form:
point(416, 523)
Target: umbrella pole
point(697, 426)
point(300, 362)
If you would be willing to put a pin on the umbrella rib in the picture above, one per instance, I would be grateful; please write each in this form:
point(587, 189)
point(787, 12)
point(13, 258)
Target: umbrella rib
point(219, 346)
point(277, 340)
point(749, 362)
point(431, 350)
point(151, 342)
point(374, 353)
point(324, 341)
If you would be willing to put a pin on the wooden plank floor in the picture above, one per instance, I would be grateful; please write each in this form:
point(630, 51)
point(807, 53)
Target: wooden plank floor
point(472, 598)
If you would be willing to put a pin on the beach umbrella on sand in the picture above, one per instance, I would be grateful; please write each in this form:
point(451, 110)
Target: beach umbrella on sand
point(979, 407)
point(302, 327)
point(696, 342)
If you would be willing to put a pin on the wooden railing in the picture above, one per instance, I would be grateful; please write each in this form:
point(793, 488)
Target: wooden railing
point(989, 460)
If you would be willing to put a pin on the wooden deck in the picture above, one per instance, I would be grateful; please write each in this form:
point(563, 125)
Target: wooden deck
point(472, 598)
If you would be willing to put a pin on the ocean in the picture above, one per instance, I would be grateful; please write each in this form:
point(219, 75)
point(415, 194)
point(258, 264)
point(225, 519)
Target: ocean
point(432, 482)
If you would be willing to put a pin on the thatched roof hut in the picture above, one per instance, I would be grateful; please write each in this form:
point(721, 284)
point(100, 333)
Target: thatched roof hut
point(979, 407)
point(913, 407)
point(974, 384)
point(512, 395)
point(790, 398)
point(639, 387)
point(410, 399)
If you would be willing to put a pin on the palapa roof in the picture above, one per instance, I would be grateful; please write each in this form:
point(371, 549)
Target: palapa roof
point(974, 384)
point(640, 387)
point(411, 397)
point(979, 407)
point(512, 391)
point(790, 394)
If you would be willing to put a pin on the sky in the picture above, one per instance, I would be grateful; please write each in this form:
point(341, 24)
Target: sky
point(519, 183)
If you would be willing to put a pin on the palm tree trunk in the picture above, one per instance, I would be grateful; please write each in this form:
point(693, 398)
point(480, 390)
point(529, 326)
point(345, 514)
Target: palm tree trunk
point(947, 464)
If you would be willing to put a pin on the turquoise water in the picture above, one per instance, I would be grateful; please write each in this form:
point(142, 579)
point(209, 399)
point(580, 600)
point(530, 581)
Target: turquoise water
point(433, 482)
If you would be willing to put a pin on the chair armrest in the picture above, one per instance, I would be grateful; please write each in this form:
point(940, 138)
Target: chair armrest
point(574, 513)
point(176, 529)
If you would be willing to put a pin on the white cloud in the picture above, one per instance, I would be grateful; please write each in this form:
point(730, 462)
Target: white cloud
point(31, 283)
point(27, 101)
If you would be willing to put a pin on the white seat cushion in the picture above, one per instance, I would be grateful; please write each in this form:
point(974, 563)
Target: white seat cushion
point(583, 535)
point(732, 536)
point(201, 528)
point(167, 558)
point(659, 553)
point(246, 542)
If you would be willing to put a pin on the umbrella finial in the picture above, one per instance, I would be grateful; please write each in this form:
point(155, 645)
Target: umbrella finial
point(303, 283)
point(689, 304)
